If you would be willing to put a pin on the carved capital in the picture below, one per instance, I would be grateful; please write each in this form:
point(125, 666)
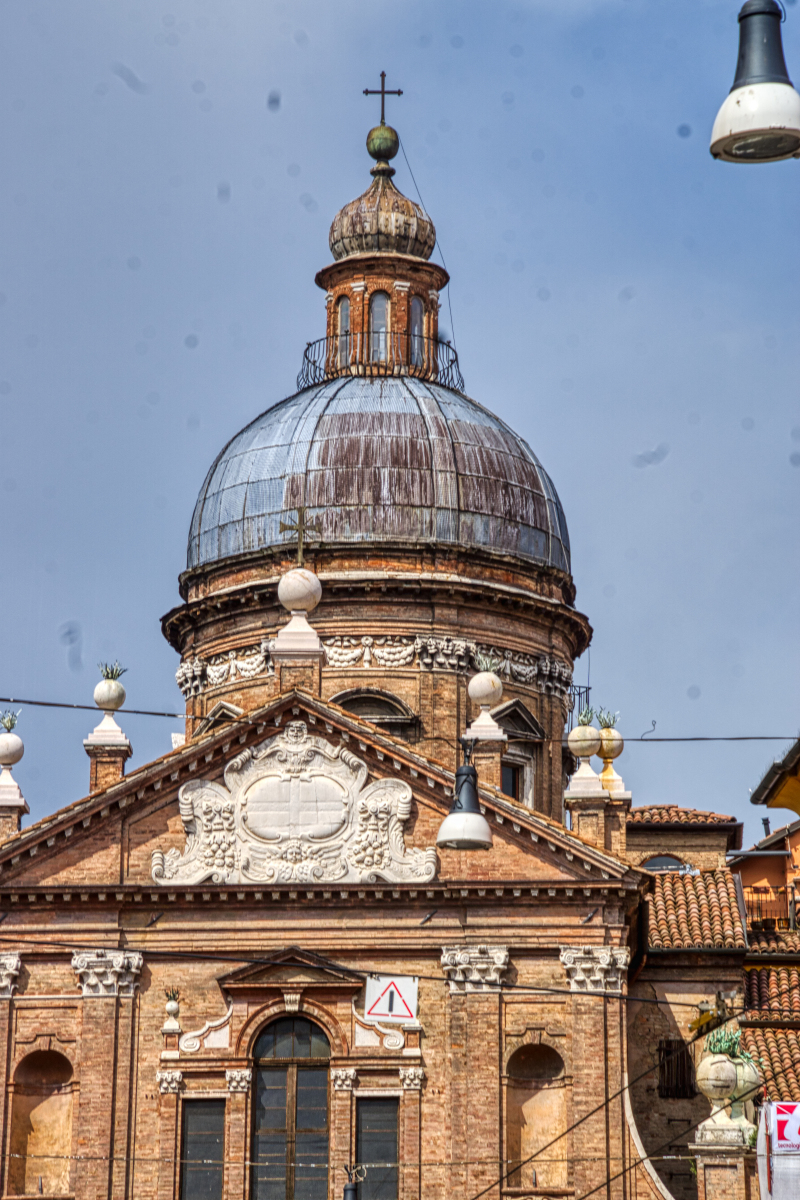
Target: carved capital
point(10, 965)
point(412, 1078)
point(474, 968)
point(292, 1001)
point(107, 972)
point(344, 1079)
point(239, 1079)
point(595, 968)
point(169, 1081)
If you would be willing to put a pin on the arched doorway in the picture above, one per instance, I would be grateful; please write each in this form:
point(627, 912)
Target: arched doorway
point(291, 1060)
point(41, 1125)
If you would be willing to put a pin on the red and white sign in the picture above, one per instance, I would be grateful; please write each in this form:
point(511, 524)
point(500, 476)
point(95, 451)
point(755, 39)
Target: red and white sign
point(785, 1127)
point(391, 998)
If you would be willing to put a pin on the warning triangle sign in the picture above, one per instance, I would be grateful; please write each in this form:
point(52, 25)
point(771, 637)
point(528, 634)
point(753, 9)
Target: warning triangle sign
point(391, 998)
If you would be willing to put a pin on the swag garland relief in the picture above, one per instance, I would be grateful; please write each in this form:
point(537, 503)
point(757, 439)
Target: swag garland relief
point(294, 809)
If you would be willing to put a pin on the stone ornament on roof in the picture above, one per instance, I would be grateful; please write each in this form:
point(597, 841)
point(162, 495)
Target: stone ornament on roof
point(595, 968)
point(107, 972)
point(10, 967)
point(474, 968)
point(295, 809)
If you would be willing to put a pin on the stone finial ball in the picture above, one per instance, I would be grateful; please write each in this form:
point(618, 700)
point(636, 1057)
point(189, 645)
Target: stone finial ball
point(716, 1077)
point(299, 590)
point(485, 689)
point(11, 749)
point(109, 695)
point(611, 743)
point(382, 143)
point(584, 741)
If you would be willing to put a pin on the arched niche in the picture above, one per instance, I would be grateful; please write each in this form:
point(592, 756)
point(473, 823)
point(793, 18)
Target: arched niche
point(41, 1125)
point(536, 1113)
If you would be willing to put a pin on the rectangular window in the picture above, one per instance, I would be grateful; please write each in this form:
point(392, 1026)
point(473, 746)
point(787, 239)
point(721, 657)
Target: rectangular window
point(675, 1070)
point(202, 1149)
point(376, 1147)
point(290, 1134)
point(510, 783)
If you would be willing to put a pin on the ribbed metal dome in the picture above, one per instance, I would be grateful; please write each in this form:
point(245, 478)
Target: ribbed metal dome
point(383, 460)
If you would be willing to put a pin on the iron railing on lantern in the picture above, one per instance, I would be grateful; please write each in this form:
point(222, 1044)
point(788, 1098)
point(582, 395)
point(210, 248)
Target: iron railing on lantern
point(377, 354)
point(577, 702)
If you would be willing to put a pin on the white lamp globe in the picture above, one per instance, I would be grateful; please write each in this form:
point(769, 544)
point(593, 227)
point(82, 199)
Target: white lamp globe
point(759, 121)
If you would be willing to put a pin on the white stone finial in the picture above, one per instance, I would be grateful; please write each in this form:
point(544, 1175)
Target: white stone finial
point(109, 695)
point(584, 741)
point(485, 689)
point(299, 592)
point(11, 751)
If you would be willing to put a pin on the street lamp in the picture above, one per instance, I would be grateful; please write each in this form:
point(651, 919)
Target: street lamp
point(465, 827)
point(759, 120)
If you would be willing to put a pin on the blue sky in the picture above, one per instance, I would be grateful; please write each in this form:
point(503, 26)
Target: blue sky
point(623, 301)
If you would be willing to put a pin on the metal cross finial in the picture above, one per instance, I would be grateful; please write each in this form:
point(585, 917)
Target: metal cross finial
point(382, 92)
point(302, 529)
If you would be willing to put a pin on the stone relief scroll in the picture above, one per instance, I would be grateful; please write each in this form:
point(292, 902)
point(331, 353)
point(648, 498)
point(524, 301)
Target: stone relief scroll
point(294, 809)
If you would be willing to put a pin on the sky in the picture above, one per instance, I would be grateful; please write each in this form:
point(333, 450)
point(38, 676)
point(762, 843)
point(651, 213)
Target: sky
point(627, 304)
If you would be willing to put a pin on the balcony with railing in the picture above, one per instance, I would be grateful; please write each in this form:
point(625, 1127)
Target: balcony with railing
point(376, 355)
point(770, 904)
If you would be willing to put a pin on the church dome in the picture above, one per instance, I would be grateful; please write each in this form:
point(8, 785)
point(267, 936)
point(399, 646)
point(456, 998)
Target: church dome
point(397, 460)
point(382, 221)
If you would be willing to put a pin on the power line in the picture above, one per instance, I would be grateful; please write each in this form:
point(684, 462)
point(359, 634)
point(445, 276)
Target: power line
point(438, 242)
point(198, 956)
point(146, 712)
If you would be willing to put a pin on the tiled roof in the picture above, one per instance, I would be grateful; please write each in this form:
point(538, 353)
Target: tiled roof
point(773, 941)
point(695, 912)
point(772, 992)
point(777, 1054)
point(673, 814)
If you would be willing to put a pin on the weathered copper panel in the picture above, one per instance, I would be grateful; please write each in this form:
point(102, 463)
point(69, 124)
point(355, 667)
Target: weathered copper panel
point(395, 459)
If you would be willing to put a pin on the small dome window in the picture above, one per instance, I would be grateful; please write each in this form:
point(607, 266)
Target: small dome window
point(417, 331)
point(378, 326)
point(343, 330)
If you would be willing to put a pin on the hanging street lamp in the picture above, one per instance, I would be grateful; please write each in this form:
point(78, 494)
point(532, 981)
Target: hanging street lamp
point(760, 118)
point(465, 827)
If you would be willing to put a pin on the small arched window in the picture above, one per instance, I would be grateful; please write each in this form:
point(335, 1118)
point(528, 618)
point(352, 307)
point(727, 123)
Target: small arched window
point(662, 863)
point(536, 1115)
point(41, 1125)
point(378, 326)
point(417, 331)
point(290, 1124)
point(344, 331)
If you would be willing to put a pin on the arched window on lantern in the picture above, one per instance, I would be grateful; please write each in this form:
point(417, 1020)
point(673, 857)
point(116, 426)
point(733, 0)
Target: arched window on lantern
point(417, 330)
point(290, 1124)
point(378, 326)
point(536, 1115)
point(41, 1126)
point(343, 330)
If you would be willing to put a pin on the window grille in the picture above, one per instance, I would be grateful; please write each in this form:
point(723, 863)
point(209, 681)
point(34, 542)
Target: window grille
point(376, 1147)
point(202, 1149)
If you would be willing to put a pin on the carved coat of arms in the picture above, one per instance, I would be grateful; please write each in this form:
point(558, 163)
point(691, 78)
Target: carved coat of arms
point(294, 809)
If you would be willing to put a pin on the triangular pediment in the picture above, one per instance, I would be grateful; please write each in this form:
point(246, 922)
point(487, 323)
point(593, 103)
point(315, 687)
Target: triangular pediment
point(162, 813)
point(515, 718)
point(292, 969)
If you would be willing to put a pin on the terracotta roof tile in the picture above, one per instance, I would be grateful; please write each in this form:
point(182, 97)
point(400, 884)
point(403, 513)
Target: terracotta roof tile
point(772, 992)
point(773, 941)
point(695, 912)
point(777, 1054)
point(673, 814)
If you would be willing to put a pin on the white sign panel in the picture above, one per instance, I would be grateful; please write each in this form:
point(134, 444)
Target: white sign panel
point(779, 1151)
point(391, 998)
